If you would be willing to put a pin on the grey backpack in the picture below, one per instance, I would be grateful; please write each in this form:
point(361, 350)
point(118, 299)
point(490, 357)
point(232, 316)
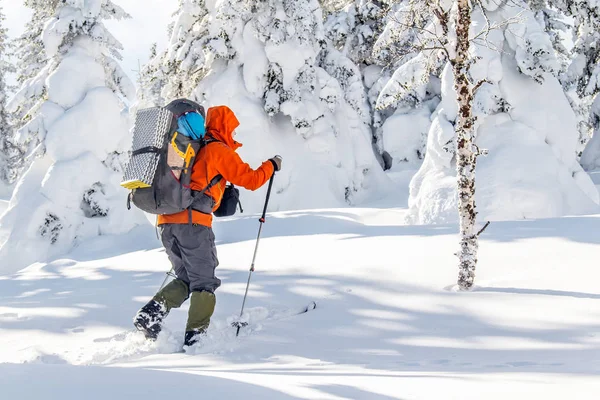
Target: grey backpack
point(160, 169)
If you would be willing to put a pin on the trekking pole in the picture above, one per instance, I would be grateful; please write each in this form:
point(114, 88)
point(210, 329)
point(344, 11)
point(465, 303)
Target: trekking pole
point(262, 221)
point(170, 274)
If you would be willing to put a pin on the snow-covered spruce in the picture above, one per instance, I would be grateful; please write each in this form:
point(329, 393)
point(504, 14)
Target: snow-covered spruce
point(360, 29)
point(150, 84)
point(553, 22)
point(176, 72)
point(293, 92)
point(405, 92)
point(8, 151)
point(354, 28)
point(581, 77)
point(523, 119)
point(29, 47)
point(30, 59)
point(80, 132)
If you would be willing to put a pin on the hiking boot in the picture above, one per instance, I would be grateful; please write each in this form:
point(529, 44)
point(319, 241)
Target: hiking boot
point(193, 337)
point(149, 319)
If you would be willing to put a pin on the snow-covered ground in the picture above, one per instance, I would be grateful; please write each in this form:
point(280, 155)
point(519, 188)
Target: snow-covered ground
point(595, 175)
point(388, 324)
point(3, 206)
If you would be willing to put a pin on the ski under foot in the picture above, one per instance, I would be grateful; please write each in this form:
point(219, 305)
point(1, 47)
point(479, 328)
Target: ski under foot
point(249, 322)
point(133, 344)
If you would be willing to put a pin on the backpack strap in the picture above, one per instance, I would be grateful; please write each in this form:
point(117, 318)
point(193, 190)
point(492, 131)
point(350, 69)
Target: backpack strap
point(201, 195)
point(209, 140)
point(214, 181)
point(148, 149)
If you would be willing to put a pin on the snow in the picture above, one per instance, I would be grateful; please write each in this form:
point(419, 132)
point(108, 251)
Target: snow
point(317, 169)
point(254, 76)
point(5, 192)
point(410, 77)
point(405, 133)
point(81, 70)
point(590, 159)
point(89, 117)
point(388, 323)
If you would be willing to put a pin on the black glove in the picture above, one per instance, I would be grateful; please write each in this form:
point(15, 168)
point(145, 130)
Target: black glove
point(276, 161)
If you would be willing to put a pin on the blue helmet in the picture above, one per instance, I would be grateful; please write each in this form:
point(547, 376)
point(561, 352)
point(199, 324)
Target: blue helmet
point(191, 125)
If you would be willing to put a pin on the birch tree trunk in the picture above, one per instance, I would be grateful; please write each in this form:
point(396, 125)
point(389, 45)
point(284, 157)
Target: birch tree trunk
point(466, 149)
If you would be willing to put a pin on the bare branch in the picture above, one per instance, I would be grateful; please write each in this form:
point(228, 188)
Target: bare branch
point(484, 228)
point(486, 29)
point(517, 19)
point(422, 45)
point(479, 84)
point(479, 151)
point(442, 17)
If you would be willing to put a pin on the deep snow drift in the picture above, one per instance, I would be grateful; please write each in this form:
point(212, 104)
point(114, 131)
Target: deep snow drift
point(388, 324)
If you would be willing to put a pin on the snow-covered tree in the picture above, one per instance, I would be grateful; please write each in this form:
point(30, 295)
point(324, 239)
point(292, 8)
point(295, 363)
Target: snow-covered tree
point(499, 91)
point(352, 27)
point(554, 23)
point(355, 28)
point(426, 36)
point(30, 59)
point(404, 89)
point(177, 72)
point(29, 47)
point(292, 91)
point(375, 35)
point(575, 22)
point(79, 132)
point(582, 78)
point(8, 152)
point(150, 83)
point(522, 117)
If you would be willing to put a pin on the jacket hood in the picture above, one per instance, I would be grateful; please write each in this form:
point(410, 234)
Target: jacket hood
point(220, 124)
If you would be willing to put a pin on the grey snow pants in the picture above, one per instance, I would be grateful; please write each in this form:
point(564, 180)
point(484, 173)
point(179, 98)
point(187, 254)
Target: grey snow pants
point(193, 254)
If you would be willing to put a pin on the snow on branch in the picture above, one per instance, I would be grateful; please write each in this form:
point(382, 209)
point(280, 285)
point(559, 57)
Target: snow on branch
point(408, 83)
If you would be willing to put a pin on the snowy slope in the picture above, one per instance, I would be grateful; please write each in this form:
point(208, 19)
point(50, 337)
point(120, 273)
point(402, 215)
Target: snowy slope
point(595, 175)
point(388, 325)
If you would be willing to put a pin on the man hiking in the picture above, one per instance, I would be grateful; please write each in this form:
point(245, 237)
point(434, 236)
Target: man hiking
point(188, 237)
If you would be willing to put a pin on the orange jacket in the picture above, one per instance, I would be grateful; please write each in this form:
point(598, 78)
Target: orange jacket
point(220, 158)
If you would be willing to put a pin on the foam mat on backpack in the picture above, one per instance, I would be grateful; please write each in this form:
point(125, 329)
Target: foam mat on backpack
point(152, 125)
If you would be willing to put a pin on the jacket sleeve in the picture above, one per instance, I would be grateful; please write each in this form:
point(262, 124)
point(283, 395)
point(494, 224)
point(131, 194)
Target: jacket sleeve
point(231, 167)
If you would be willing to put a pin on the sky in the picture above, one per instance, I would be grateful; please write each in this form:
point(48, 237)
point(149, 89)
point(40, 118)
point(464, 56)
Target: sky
point(148, 25)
